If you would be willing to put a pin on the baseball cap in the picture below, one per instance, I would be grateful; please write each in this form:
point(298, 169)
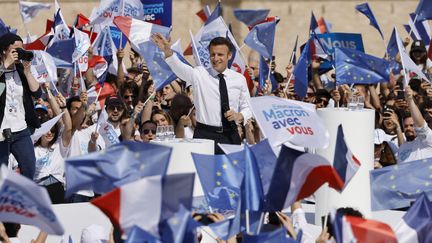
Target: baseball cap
point(41, 107)
point(113, 100)
point(418, 46)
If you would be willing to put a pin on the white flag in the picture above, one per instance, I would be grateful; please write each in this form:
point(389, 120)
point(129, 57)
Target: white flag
point(22, 201)
point(108, 9)
point(283, 120)
point(407, 62)
point(82, 44)
point(43, 67)
point(45, 127)
point(29, 10)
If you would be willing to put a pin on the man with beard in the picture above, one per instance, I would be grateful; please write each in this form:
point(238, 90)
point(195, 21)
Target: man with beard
point(417, 133)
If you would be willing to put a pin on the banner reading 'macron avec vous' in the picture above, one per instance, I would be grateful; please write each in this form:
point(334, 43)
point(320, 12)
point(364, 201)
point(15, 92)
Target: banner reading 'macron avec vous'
point(283, 120)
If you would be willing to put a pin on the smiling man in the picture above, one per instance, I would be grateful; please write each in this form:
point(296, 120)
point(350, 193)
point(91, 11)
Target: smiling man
point(220, 94)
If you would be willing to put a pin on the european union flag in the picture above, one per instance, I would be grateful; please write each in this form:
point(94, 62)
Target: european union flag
point(138, 235)
point(175, 228)
point(4, 29)
point(221, 180)
point(155, 59)
point(424, 10)
point(275, 236)
point(353, 66)
point(266, 160)
point(264, 73)
point(251, 17)
point(252, 187)
point(397, 186)
point(177, 192)
point(301, 71)
point(367, 11)
point(62, 49)
point(261, 38)
point(392, 49)
point(118, 165)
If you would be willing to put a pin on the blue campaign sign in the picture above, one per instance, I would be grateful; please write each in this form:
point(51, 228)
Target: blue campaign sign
point(344, 40)
point(115, 35)
point(158, 12)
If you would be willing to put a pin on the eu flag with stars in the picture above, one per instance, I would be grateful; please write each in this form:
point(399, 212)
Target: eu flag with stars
point(220, 179)
point(367, 11)
point(301, 71)
point(397, 186)
point(353, 66)
point(261, 38)
point(424, 10)
point(118, 165)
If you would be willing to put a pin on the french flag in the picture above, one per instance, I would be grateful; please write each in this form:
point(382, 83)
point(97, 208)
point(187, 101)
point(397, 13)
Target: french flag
point(345, 163)
point(138, 203)
point(100, 68)
point(347, 229)
point(298, 175)
point(416, 224)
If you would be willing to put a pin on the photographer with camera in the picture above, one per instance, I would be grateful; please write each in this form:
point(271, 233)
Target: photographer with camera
point(17, 115)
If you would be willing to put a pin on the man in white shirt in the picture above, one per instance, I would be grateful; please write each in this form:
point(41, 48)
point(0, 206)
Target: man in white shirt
point(220, 94)
point(418, 134)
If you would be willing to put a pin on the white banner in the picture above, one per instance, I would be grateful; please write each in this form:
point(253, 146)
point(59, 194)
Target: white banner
point(283, 120)
point(23, 201)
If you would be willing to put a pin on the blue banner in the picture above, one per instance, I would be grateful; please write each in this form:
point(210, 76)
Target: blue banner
point(115, 35)
point(345, 40)
point(158, 12)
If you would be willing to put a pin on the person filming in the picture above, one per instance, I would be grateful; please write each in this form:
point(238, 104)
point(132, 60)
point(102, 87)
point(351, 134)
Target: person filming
point(17, 115)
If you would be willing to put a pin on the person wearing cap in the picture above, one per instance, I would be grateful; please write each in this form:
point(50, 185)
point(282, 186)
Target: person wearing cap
point(418, 135)
point(220, 95)
point(418, 54)
point(17, 115)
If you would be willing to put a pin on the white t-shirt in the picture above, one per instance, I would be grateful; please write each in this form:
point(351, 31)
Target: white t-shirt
point(50, 161)
point(419, 148)
point(14, 113)
point(79, 146)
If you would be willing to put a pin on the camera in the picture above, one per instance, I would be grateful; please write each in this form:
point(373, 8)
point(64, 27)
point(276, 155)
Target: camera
point(24, 55)
point(7, 134)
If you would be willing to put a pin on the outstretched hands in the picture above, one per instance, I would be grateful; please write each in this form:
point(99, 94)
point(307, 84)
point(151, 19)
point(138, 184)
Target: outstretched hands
point(162, 43)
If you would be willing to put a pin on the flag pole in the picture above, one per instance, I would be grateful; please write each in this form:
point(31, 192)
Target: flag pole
point(247, 221)
point(121, 33)
point(290, 62)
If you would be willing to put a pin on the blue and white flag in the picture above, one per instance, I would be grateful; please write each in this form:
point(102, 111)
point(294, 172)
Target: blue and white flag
point(424, 10)
point(22, 201)
point(29, 10)
point(109, 9)
point(216, 28)
point(407, 63)
point(82, 44)
point(60, 28)
point(43, 67)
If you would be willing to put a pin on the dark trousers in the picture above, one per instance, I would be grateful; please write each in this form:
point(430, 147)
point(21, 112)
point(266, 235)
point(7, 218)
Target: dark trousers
point(56, 193)
point(225, 136)
point(22, 149)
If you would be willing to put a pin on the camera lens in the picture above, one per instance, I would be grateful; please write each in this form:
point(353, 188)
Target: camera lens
point(24, 55)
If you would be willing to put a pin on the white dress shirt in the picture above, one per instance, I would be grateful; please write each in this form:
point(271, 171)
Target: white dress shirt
point(206, 95)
